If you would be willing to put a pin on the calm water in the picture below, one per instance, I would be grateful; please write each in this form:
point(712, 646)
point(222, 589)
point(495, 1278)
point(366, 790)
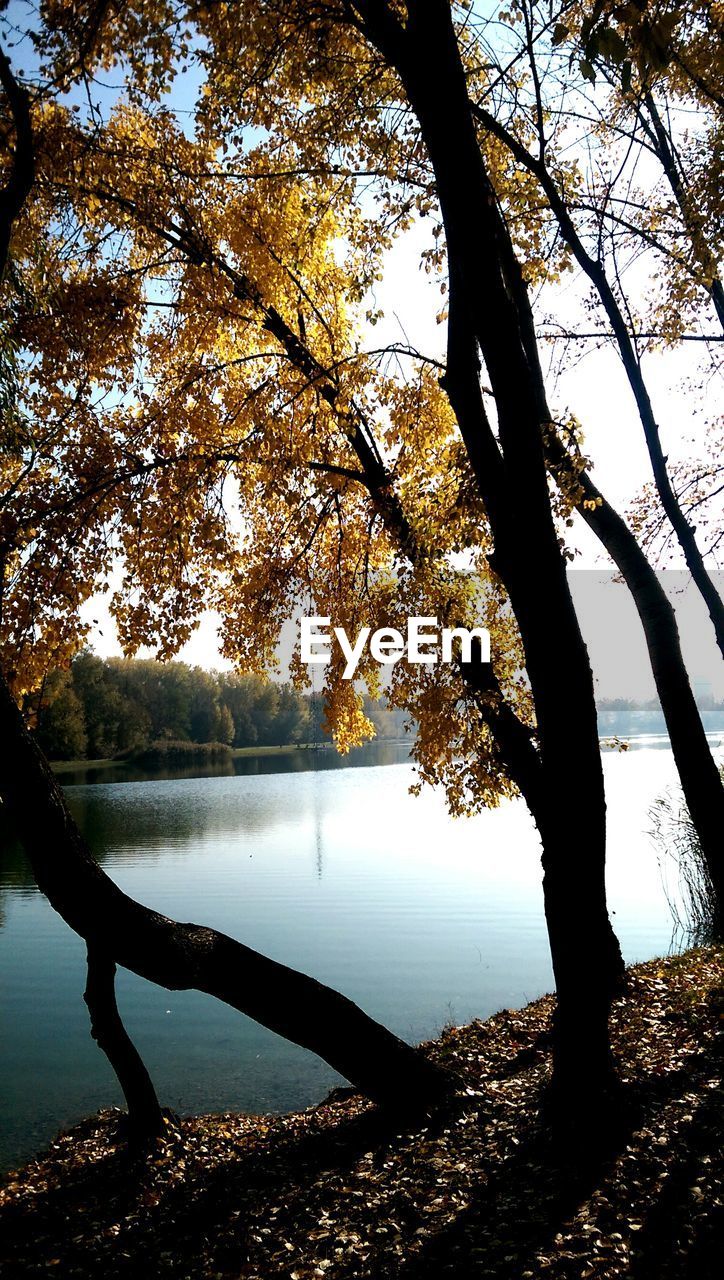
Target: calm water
point(338, 872)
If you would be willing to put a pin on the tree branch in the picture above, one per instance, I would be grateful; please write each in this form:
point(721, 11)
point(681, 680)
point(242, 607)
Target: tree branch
point(184, 956)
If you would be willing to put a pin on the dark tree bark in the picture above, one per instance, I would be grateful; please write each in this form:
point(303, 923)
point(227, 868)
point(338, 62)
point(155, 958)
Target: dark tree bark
point(489, 314)
point(145, 1118)
point(700, 779)
point(22, 170)
point(181, 956)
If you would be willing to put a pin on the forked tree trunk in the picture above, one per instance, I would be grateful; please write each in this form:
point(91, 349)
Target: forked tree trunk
point(184, 956)
point(145, 1118)
point(485, 314)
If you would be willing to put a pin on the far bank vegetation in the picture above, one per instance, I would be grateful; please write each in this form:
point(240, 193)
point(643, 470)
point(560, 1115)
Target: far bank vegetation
point(103, 709)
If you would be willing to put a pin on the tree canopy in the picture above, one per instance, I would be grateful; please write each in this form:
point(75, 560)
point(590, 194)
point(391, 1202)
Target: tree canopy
point(199, 404)
point(191, 299)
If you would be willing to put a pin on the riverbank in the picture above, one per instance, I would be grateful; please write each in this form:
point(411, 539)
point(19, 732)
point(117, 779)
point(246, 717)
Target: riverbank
point(234, 753)
point(337, 1191)
point(117, 765)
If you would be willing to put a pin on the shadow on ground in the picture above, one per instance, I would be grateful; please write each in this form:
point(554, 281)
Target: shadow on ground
point(343, 1191)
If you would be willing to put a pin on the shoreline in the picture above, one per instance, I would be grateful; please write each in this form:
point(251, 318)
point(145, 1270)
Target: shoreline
point(160, 770)
point(234, 753)
point(608, 742)
point(340, 1191)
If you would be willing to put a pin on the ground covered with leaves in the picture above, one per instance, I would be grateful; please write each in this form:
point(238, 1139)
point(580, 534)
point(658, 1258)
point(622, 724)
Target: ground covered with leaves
point(342, 1190)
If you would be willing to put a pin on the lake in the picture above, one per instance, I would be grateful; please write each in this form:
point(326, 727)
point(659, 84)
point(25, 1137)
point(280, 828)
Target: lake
point(421, 919)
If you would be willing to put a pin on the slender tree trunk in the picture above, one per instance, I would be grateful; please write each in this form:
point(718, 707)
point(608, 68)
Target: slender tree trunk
point(571, 820)
point(145, 1119)
point(695, 226)
point(185, 956)
point(574, 896)
point(700, 779)
point(578, 928)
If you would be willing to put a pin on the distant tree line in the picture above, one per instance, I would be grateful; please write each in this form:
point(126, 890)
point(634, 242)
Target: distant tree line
point(103, 708)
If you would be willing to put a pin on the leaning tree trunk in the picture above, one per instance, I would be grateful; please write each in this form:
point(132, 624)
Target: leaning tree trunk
point(701, 782)
point(145, 1118)
point(182, 956)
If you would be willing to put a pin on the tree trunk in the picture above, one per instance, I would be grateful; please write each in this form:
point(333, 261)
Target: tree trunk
point(145, 1119)
point(485, 313)
point(184, 956)
point(18, 182)
point(573, 875)
point(700, 779)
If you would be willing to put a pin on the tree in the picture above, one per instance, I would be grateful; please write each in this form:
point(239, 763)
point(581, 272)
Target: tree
point(237, 698)
point(602, 218)
point(599, 211)
point(116, 928)
point(104, 708)
point(224, 726)
point(60, 724)
point(290, 722)
point(335, 476)
point(218, 301)
point(179, 956)
point(204, 712)
point(107, 1028)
